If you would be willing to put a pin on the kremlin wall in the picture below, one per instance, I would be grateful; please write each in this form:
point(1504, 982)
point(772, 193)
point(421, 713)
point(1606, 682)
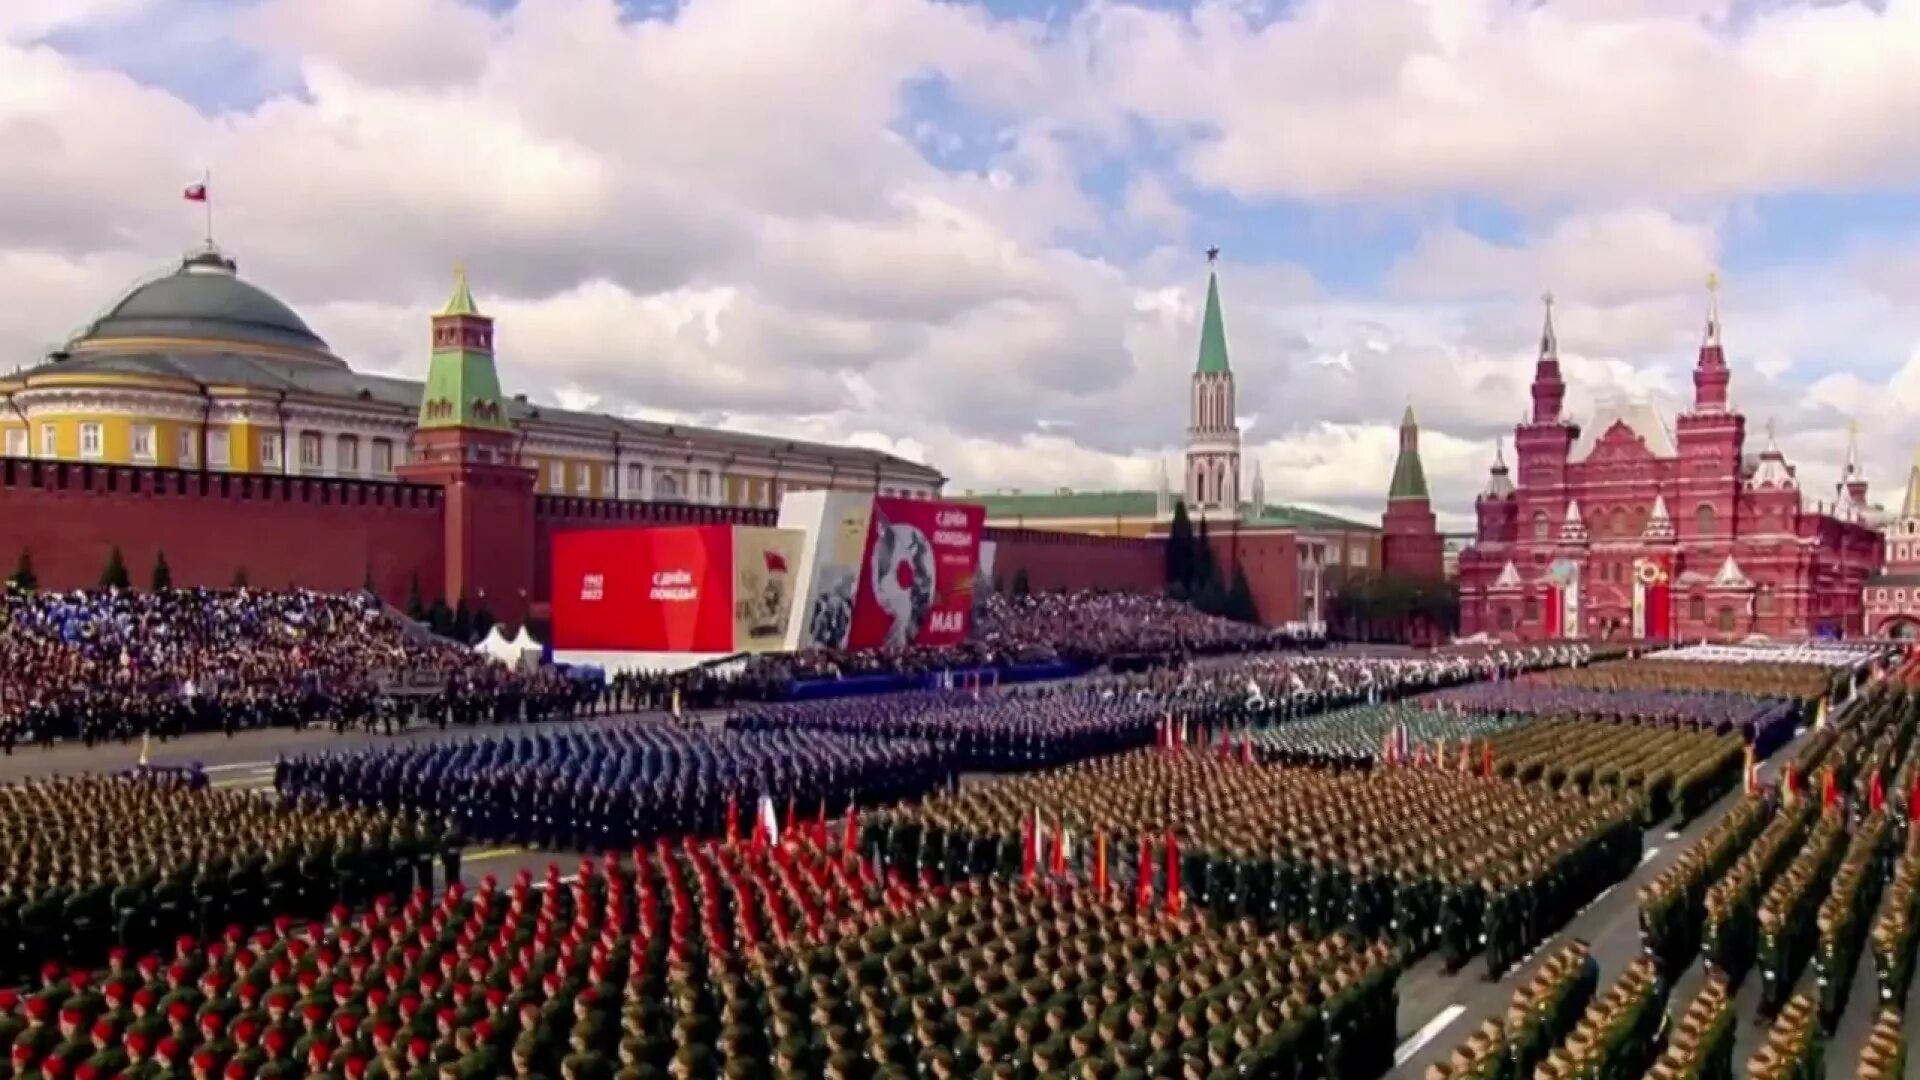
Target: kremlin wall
point(200, 417)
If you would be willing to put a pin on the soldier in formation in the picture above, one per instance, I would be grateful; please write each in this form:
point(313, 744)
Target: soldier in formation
point(92, 862)
point(743, 960)
point(608, 788)
point(1433, 858)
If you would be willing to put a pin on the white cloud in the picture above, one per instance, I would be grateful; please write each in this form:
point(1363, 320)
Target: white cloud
point(1608, 258)
point(717, 217)
point(1383, 99)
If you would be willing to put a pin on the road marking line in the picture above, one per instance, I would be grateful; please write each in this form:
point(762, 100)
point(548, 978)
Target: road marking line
point(1673, 834)
point(1418, 1041)
point(235, 766)
point(1647, 855)
point(492, 853)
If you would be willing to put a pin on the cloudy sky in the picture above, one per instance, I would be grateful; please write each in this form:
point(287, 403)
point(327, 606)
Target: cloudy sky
point(972, 232)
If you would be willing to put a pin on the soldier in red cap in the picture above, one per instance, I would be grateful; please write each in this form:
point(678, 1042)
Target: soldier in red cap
point(21, 1060)
point(37, 1033)
point(108, 1057)
point(180, 1026)
point(213, 1037)
point(167, 1055)
point(246, 1045)
point(135, 1048)
point(205, 1065)
point(142, 1018)
point(276, 1064)
point(11, 1022)
point(73, 1047)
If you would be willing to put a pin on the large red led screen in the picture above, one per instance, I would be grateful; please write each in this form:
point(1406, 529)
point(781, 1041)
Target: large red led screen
point(644, 590)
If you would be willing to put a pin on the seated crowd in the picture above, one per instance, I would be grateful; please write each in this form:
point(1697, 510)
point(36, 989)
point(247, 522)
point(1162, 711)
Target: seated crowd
point(1084, 628)
point(119, 664)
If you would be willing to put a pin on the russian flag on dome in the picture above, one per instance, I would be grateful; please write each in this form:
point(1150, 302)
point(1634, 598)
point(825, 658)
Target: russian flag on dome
point(195, 193)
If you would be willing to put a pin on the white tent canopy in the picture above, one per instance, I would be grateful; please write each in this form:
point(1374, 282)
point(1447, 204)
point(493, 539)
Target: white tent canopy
point(521, 654)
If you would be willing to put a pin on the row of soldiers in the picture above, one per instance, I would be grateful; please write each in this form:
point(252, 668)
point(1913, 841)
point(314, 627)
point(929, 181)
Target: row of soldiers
point(610, 787)
point(655, 966)
point(1542, 1013)
point(1433, 859)
point(1367, 735)
point(1018, 731)
point(1797, 680)
point(91, 861)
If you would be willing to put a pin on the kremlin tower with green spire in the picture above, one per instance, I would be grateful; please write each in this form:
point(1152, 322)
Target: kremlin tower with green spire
point(1411, 546)
point(1213, 433)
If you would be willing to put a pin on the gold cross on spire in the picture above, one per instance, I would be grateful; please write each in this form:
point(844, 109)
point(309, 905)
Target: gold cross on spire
point(1769, 430)
point(1853, 429)
point(1547, 299)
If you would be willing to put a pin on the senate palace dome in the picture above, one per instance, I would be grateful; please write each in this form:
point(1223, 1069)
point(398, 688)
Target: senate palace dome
point(202, 302)
point(197, 368)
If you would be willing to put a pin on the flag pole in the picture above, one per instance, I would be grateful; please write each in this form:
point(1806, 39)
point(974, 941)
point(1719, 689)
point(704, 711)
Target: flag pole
point(206, 191)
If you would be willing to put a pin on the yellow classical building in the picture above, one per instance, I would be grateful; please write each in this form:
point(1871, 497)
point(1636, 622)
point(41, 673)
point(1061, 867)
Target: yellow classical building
point(199, 369)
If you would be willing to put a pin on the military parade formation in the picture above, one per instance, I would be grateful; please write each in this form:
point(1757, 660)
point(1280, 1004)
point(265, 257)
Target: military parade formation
point(1208, 867)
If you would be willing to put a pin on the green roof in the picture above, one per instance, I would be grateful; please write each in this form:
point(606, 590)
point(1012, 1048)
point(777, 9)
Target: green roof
point(1299, 517)
point(463, 389)
point(1068, 504)
point(1409, 478)
point(1040, 507)
point(1213, 334)
point(461, 302)
point(203, 298)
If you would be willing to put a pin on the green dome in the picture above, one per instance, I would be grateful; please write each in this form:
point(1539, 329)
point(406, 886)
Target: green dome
point(203, 300)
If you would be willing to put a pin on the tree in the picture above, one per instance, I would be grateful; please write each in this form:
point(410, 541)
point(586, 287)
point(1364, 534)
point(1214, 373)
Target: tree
point(440, 618)
point(416, 608)
point(162, 573)
point(240, 578)
point(1021, 585)
point(23, 577)
point(1241, 606)
point(1179, 549)
point(1205, 572)
point(114, 575)
point(463, 621)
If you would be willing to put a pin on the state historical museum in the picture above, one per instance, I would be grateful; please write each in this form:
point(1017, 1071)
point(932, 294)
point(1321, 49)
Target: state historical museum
point(1628, 527)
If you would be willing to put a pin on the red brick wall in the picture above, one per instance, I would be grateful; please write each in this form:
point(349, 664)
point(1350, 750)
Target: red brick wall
point(1059, 560)
point(323, 534)
point(1272, 563)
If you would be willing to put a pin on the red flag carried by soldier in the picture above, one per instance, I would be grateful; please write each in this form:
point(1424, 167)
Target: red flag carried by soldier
point(851, 841)
point(1829, 791)
point(1486, 759)
point(1100, 862)
point(733, 820)
point(1876, 794)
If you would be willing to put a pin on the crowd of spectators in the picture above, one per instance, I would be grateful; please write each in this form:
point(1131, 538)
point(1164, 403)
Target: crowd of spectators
point(117, 664)
point(1085, 628)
